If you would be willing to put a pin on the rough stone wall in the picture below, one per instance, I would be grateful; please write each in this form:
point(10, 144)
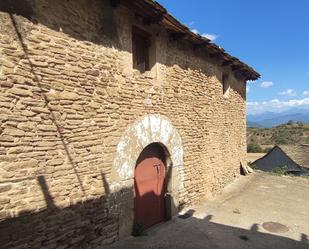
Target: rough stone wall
point(67, 94)
point(212, 126)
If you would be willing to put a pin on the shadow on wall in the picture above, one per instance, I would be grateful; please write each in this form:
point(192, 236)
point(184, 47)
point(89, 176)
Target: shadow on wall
point(36, 78)
point(86, 224)
point(82, 225)
point(194, 233)
point(58, 15)
point(91, 223)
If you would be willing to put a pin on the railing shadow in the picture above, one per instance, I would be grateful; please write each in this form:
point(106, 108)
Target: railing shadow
point(37, 80)
point(196, 233)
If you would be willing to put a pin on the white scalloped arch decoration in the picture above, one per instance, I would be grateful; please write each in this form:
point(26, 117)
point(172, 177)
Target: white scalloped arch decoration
point(152, 128)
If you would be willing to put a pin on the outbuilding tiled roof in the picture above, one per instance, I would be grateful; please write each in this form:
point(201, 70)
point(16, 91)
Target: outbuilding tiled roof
point(298, 153)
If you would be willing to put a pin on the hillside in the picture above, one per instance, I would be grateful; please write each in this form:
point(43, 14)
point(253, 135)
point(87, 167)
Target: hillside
point(282, 134)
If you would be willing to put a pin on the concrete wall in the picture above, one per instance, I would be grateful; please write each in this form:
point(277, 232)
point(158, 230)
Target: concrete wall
point(68, 98)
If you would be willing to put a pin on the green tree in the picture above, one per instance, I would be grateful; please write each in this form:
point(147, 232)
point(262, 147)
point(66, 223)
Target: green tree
point(300, 123)
point(290, 122)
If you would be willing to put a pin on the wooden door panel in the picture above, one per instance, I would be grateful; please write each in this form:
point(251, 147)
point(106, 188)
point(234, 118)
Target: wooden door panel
point(149, 206)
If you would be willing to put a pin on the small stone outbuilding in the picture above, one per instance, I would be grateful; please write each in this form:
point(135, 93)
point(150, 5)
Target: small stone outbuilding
point(292, 158)
point(112, 115)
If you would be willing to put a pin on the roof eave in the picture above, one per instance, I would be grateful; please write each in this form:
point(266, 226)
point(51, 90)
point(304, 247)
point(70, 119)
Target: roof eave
point(153, 12)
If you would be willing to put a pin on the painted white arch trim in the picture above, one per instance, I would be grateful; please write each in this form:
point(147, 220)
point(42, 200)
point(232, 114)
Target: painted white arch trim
point(148, 129)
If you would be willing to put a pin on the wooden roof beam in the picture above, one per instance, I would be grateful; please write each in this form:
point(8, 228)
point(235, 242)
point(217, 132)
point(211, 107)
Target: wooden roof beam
point(214, 54)
point(178, 35)
point(153, 19)
point(196, 46)
point(227, 63)
point(115, 3)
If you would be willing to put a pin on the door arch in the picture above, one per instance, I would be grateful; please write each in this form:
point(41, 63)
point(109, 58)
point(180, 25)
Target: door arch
point(150, 186)
point(151, 128)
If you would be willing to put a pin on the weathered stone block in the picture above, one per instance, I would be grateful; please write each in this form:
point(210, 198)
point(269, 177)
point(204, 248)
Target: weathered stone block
point(4, 201)
point(93, 72)
point(15, 166)
point(20, 92)
point(13, 132)
point(40, 109)
point(55, 162)
point(7, 63)
point(47, 127)
point(5, 187)
point(29, 126)
point(65, 95)
point(6, 84)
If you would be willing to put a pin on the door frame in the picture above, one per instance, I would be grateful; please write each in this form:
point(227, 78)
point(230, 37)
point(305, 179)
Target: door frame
point(163, 150)
point(151, 128)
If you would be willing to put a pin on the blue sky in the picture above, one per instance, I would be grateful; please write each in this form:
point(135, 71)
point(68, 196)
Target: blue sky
point(270, 35)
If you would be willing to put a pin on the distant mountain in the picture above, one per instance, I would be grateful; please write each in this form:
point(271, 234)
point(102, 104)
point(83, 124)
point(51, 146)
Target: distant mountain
point(271, 119)
point(254, 125)
point(263, 116)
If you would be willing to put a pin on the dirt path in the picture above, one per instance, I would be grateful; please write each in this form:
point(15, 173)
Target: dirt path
point(251, 157)
point(238, 218)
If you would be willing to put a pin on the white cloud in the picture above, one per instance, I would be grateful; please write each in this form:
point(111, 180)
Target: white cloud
point(275, 105)
point(288, 93)
point(195, 31)
point(306, 93)
point(211, 37)
point(267, 84)
point(248, 89)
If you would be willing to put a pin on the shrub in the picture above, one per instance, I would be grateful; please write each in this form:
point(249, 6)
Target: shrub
point(281, 140)
point(267, 149)
point(254, 148)
point(300, 123)
point(280, 170)
point(253, 166)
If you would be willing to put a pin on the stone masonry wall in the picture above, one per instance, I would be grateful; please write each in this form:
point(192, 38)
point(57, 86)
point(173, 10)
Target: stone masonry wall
point(68, 92)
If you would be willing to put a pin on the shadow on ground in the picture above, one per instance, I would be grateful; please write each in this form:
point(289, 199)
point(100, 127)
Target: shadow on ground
point(203, 233)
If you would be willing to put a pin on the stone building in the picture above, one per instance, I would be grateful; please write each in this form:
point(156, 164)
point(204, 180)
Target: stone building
point(293, 159)
point(98, 95)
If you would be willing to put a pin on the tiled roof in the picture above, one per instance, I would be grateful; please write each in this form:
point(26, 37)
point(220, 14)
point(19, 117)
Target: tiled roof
point(152, 12)
point(298, 153)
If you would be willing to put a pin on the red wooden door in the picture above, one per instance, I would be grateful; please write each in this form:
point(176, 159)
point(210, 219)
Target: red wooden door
point(149, 186)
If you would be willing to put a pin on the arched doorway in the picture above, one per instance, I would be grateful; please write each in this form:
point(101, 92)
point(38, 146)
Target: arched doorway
point(150, 186)
point(148, 129)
